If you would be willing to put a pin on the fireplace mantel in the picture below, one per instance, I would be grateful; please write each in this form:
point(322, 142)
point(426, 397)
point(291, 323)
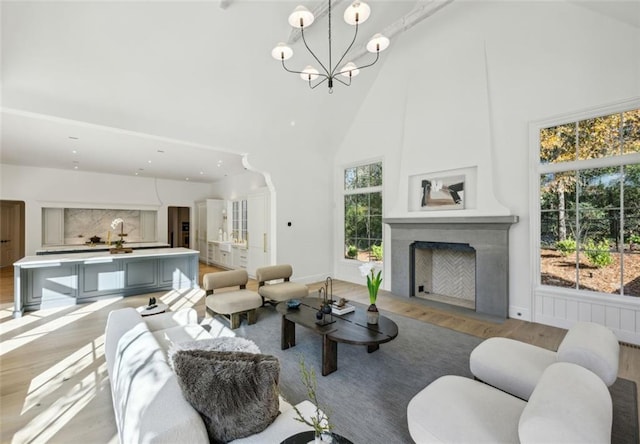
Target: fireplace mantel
point(488, 235)
point(452, 220)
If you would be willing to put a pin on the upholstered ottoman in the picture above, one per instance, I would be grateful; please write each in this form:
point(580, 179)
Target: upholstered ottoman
point(516, 367)
point(231, 303)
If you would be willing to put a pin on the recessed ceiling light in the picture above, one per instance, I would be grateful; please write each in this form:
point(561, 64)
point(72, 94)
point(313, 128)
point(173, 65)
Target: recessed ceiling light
point(187, 178)
point(201, 173)
point(75, 151)
point(75, 167)
point(148, 161)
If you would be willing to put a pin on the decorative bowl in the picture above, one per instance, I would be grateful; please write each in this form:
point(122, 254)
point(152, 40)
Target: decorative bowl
point(293, 303)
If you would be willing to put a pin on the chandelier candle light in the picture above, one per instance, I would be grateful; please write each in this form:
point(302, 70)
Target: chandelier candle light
point(357, 13)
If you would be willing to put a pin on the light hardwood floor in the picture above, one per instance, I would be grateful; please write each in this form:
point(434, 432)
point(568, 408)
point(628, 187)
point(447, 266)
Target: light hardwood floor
point(53, 380)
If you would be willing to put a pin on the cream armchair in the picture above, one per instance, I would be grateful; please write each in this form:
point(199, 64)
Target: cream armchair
point(282, 290)
point(234, 302)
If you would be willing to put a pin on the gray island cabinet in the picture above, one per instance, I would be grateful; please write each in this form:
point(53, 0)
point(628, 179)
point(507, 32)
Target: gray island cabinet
point(57, 280)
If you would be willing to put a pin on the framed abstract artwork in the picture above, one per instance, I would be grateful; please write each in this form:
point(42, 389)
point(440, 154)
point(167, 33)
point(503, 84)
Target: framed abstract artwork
point(431, 192)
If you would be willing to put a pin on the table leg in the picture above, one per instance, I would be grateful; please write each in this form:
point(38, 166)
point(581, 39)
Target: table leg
point(287, 334)
point(329, 356)
point(372, 348)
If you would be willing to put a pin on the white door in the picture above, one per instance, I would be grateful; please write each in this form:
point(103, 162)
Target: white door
point(258, 245)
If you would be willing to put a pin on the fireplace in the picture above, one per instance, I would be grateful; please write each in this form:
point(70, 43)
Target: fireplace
point(483, 238)
point(443, 272)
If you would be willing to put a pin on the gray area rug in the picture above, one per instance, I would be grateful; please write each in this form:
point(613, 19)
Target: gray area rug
point(368, 395)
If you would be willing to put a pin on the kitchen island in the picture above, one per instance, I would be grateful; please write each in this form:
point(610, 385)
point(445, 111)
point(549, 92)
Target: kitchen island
point(89, 247)
point(56, 280)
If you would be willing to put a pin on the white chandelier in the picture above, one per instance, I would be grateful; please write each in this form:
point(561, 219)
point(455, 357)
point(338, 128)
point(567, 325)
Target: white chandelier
point(358, 12)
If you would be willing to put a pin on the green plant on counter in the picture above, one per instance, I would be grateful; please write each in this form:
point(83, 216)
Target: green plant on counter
point(352, 251)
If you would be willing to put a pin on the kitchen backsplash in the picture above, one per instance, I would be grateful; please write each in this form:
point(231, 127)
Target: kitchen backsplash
point(82, 224)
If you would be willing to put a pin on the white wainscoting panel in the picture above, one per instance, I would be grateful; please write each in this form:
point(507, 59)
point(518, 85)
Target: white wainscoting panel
point(562, 308)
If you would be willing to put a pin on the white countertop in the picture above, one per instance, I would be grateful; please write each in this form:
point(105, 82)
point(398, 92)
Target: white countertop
point(242, 246)
point(88, 247)
point(98, 256)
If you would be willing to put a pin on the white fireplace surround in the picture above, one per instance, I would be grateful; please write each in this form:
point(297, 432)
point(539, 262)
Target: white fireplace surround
point(488, 235)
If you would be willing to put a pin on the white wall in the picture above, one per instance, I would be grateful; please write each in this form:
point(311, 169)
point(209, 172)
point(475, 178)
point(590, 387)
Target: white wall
point(44, 187)
point(301, 180)
point(462, 92)
point(240, 185)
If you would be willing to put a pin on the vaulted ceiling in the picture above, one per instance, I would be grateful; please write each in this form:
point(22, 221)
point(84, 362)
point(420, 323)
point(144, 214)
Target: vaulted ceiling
point(169, 89)
point(182, 89)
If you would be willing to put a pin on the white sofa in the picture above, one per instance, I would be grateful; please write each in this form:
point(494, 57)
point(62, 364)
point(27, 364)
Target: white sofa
point(516, 367)
point(569, 404)
point(148, 403)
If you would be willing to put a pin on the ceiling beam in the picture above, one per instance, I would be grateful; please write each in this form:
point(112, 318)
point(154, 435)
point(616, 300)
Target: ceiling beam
point(422, 10)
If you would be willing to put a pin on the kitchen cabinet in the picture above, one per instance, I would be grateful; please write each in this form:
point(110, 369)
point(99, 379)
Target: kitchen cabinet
point(239, 256)
point(214, 219)
point(67, 279)
point(148, 226)
point(258, 229)
point(201, 232)
point(211, 219)
point(53, 226)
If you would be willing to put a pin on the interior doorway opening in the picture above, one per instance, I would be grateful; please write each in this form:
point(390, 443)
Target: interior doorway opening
point(179, 226)
point(11, 232)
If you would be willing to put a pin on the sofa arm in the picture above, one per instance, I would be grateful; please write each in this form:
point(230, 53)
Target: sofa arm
point(118, 323)
point(569, 404)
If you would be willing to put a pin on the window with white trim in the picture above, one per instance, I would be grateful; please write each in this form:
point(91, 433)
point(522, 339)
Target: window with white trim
point(363, 212)
point(589, 207)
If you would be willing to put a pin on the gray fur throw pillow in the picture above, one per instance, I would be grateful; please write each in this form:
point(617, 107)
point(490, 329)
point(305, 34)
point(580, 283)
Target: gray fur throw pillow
point(236, 393)
point(231, 343)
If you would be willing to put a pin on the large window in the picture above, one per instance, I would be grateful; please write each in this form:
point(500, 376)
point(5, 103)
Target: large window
point(589, 175)
point(363, 212)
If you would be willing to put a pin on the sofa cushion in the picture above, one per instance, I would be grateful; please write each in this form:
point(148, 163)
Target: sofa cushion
point(510, 365)
point(454, 409)
point(235, 392)
point(283, 291)
point(569, 405)
point(233, 301)
point(184, 316)
point(169, 336)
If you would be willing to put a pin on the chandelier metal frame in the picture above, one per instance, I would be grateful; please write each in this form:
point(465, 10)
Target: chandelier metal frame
point(357, 15)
